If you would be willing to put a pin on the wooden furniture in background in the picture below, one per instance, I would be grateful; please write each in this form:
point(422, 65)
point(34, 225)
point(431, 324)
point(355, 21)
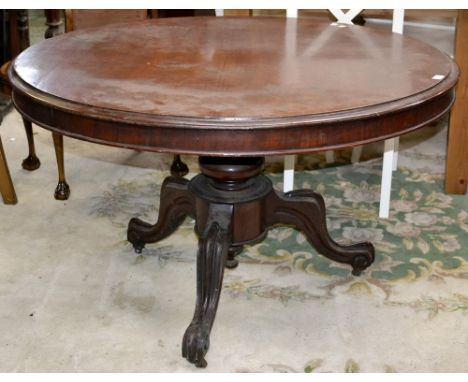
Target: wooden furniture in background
point(456, 173)
point(196, 106)
point(6, 185)
point(76, 19)
point(53, 22)
point(15, 38)
point(32, 162)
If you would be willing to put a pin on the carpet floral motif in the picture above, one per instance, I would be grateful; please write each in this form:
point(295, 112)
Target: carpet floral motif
point(423, 238)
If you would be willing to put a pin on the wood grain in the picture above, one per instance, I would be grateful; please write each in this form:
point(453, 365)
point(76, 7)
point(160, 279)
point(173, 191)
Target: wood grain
point(191, 84)
point(456, 175)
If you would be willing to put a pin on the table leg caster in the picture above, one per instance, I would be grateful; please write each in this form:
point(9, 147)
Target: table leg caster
point(175, 204)
point(231, 261)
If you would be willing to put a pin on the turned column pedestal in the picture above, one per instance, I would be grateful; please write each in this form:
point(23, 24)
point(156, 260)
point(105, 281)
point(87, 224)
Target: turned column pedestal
point(233, 204)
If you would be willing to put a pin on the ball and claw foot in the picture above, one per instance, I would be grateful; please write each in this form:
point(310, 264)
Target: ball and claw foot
point(195, 345)
point(31, 163)
point(62, 191)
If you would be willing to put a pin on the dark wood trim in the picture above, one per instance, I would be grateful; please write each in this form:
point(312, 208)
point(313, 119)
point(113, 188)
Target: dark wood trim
point(210, 139)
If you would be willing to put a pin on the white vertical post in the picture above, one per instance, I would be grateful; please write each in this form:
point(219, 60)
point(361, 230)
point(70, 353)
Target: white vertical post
point(288, 173)
point(386, 187)
point(290, 160)
point(219, 12)
point(398, 21)
point(291, 12)
point(398, 24)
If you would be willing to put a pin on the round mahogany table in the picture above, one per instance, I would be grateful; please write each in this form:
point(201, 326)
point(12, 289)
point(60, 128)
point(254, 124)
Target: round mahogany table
point(232, 91)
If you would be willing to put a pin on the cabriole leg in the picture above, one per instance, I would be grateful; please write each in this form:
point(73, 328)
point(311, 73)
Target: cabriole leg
point(62, 191)
point(31, 162)
point(212, 252)
point(175, 204)
point(305, 210)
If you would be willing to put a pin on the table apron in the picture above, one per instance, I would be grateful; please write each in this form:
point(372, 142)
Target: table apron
point(212, 141)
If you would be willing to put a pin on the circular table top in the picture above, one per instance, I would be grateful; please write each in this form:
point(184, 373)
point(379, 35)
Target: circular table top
point(233, 86)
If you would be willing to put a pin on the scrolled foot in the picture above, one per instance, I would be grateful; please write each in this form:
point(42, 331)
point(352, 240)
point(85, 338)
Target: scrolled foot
point(175, 204)
point(361, 262)
point(62, 191)
point(195, 344)
point(305, 210)
point(134, 227)
point(31, 163)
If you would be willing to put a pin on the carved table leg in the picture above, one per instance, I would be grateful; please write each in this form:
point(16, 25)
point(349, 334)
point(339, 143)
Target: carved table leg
point(211, 259)
point(31, 162)
point(175, 204)
point(305, 210)
point(62, 191)
point(178, 168)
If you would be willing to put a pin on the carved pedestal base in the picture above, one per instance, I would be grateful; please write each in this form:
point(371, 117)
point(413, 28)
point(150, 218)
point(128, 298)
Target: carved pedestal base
point(233, 205)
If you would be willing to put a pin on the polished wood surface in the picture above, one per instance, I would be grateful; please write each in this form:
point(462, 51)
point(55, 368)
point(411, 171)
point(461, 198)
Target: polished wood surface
point(211, 77)
point(456, 174)
point(88, 18)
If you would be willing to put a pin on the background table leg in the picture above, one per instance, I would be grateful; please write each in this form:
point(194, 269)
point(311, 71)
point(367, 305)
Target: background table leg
point(178, 168)
point(62, 191)
point(31, 162)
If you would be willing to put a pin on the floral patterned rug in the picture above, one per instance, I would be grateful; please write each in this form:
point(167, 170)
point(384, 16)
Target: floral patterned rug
point(424, 238)
point(421, 246)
